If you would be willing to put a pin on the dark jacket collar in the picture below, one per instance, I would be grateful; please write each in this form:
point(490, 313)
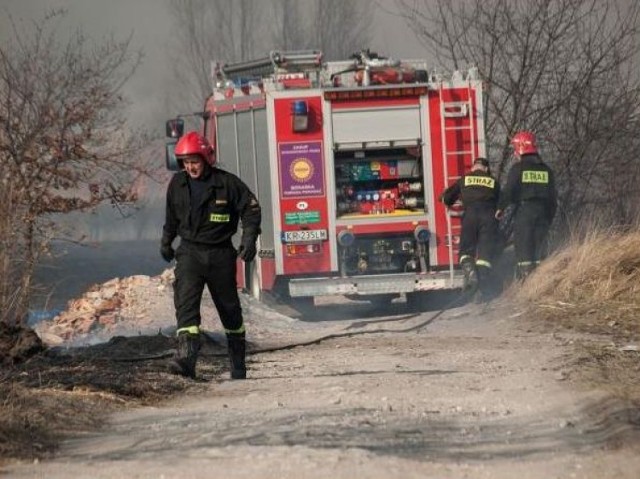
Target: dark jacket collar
point(209, 176)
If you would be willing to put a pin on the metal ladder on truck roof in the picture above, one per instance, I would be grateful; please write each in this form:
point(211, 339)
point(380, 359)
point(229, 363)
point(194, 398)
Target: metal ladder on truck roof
point(451, 111)
point(289, 61)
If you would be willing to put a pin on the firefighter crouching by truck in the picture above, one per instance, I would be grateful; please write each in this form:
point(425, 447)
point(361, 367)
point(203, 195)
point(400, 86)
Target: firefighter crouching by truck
point(531, 188)
point(479, 192)
point(204, 206)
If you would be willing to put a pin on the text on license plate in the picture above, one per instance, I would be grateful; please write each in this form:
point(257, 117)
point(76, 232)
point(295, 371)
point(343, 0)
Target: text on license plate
point(303, 235)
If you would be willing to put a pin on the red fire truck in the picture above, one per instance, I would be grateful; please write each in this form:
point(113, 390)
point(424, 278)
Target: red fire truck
point(347, 159)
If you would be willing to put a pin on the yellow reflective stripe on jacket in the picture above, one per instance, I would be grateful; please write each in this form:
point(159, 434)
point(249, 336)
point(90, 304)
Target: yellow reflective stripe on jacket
point(485, 181)
point(533, 176)
point(219, 218)
point(241, 329)
point(482, 262)
point(189, 329)
point(465, 257)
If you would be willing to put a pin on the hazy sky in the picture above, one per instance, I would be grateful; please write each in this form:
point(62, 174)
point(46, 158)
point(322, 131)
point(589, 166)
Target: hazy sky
point(151, 26)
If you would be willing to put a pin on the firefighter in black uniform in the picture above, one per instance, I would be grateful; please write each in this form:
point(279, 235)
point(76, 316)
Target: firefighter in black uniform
point(479, 193)
point(204, 206)
point(531, 188)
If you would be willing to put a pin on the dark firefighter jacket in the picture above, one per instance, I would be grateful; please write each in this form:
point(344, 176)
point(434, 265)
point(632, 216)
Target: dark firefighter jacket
point(225, 200)
point(476, 188)
point(530, 180)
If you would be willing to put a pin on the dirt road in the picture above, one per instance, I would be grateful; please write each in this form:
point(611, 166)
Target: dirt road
point(472, 394)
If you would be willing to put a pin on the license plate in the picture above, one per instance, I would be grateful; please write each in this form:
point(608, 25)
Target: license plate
point(304, 235)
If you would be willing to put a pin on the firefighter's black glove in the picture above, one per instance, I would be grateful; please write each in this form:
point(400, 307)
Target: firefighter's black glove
point(167, 253)
point(247, 250)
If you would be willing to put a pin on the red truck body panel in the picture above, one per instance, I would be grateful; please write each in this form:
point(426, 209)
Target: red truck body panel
point(348, 169)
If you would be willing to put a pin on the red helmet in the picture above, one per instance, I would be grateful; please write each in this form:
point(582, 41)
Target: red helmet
point(524, 143)
point(193, 143)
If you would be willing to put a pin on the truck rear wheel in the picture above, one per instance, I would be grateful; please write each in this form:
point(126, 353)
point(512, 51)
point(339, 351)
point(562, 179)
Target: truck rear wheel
point(417, 300)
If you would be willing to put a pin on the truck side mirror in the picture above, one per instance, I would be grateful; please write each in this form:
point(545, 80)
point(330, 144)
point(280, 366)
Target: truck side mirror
point(175, 128)
point(171, 161)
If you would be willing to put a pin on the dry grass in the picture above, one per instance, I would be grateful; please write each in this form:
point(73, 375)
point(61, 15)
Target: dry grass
point(58, 393)
point(590, 286)
point(32, 424)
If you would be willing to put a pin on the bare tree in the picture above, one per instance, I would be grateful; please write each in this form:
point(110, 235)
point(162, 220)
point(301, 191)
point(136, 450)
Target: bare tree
point(337, 27)
point(64, 145)
point(237, 30)
point(222, 30)
point(566, 69)
point(342, 27)
point(290, 27)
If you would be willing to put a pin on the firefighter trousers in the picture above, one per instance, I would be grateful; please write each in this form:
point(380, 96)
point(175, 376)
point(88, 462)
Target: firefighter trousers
point(215, 268)
point(530, 234)
point(479, 234)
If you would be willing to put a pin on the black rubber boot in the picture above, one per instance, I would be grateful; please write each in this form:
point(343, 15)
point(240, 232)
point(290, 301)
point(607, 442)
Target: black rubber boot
point(485, 285)
point(184, 362)
point(470, 276)
point(523, 270)
point(237, 351)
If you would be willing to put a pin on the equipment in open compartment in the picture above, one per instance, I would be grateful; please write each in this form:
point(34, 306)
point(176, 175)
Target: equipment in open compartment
point(378, 182)
point(381, 254)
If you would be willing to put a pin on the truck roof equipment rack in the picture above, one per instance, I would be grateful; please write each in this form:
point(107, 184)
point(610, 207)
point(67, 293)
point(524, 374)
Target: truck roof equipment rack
point(275, 62)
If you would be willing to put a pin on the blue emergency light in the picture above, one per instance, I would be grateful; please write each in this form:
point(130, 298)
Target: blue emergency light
point(299, 115)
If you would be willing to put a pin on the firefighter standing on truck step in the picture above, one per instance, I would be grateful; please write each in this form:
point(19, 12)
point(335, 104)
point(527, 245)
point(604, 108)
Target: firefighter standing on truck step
point(479, 192)
point(531, 188)
point(204, 206)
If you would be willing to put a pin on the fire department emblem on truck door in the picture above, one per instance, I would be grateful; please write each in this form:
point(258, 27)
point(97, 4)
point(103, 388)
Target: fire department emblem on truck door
point(301, 169)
